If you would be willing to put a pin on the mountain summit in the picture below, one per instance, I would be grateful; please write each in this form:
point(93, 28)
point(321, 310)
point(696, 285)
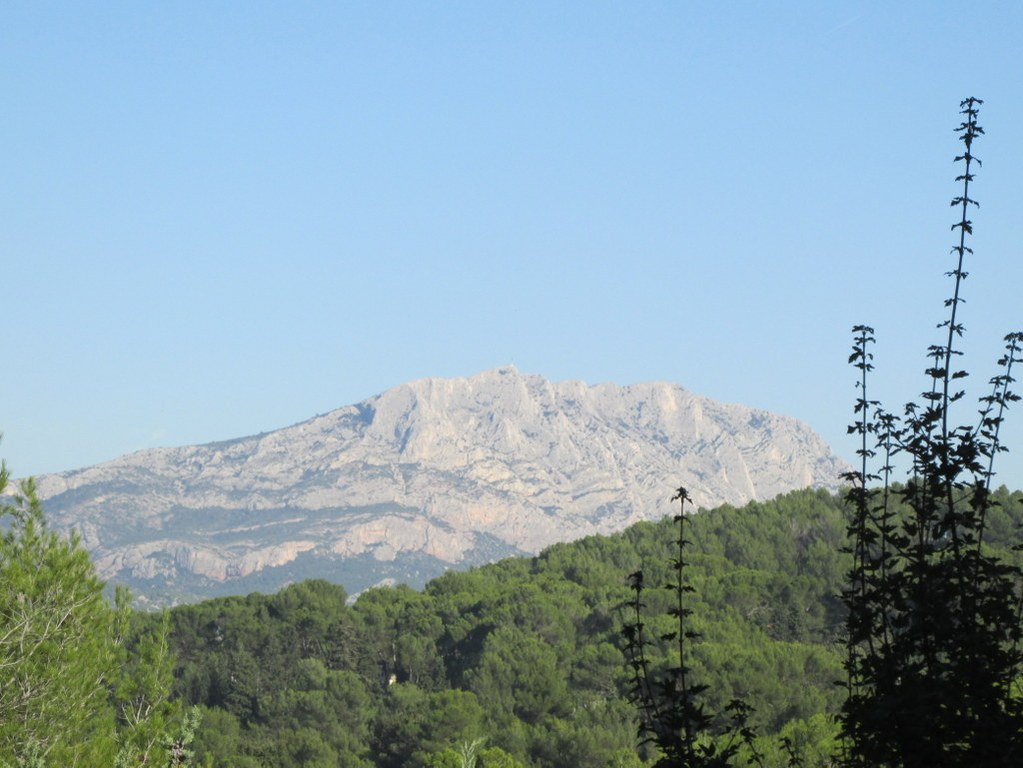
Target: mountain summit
point(432, 474)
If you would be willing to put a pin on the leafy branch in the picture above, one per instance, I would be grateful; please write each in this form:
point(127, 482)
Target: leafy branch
point(933, 627)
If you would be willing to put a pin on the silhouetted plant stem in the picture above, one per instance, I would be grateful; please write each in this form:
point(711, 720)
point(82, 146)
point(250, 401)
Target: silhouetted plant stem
point(671, 715)
point(934, 624)
point(681, 588)
point(990, 425)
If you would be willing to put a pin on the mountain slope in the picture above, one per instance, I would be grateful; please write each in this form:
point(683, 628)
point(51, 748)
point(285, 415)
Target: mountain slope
point(428, 475)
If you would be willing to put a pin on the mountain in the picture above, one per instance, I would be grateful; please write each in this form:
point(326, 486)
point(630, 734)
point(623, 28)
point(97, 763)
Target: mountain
point(429, 475)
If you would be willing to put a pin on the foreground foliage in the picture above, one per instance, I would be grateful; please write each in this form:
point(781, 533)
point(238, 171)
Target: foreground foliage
point(82, 683)
point(933, 629)
point(673, 715)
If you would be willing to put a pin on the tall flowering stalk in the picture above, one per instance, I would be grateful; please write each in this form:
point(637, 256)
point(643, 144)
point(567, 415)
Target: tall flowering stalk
point(933, 626)
point(672, 716)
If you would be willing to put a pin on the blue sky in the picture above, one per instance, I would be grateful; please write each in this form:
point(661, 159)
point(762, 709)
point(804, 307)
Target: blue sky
point(223, 218)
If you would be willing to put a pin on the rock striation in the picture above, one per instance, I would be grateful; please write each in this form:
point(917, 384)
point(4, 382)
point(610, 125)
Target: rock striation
point(429, 475)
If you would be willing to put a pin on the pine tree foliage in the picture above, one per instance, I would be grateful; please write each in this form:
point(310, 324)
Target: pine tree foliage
point(57, 658)
point(933, 628)
point(82, 683)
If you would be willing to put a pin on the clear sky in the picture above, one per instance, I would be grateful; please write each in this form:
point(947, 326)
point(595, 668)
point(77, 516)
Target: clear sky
point(222, 218)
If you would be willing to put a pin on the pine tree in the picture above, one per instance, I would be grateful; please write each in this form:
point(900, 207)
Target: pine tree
point(57, 658)
point(80, 684)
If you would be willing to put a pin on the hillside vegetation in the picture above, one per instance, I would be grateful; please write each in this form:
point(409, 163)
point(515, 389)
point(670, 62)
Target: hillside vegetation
point(526, 653)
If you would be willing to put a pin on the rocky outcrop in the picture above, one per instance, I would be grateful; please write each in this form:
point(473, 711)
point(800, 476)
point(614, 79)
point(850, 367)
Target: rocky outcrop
point(435, 473)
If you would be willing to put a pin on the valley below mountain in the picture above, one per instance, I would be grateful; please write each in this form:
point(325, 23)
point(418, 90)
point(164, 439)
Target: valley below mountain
point(429, 475)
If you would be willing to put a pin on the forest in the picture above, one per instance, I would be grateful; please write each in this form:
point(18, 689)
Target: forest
point(525, 654)
point(519, 663)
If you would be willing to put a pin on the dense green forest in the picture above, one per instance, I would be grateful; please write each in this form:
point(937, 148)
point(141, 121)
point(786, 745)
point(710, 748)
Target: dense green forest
point(526, 654)
point(518, 663)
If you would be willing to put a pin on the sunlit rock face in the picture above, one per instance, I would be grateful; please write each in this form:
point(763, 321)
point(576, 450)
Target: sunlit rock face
point(432, 474)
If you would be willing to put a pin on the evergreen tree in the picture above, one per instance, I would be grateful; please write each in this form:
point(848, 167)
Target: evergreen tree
point(58, 659)
point(80, 683)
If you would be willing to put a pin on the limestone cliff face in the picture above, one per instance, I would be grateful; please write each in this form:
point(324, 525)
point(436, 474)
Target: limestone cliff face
point(431, 474)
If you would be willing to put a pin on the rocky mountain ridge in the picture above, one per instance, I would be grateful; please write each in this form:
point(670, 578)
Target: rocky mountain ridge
point(432, 474)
